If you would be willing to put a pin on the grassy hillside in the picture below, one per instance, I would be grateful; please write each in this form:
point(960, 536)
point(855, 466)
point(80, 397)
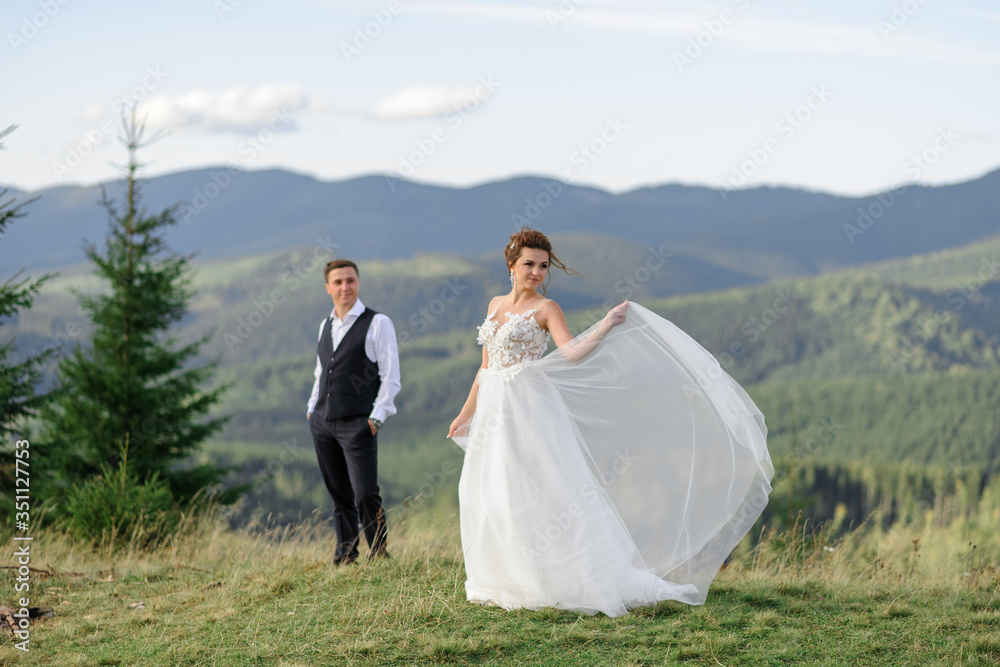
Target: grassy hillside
point(916, 594)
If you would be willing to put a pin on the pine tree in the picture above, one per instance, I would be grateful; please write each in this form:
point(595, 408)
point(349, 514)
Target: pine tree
point(135, 384)
point(17, 379)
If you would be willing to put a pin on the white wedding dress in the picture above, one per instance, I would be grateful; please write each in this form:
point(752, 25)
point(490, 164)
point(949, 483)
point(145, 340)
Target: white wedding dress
point(614, 481)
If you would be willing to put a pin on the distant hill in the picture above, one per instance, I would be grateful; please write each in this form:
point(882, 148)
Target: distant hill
point(871, 320)
point(965, 268)
point(891, 362)
point(750, 235)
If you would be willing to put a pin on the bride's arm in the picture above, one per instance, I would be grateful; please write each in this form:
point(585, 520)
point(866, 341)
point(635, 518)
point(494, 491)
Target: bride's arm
point(555, 322)
point(470, 403)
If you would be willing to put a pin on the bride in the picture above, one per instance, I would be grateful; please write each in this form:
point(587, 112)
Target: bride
point(618, 471)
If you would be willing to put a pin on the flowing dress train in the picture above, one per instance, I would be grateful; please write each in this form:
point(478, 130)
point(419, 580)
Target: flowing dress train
point(610, 482)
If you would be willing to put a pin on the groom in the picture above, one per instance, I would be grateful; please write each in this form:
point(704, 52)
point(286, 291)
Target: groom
point(357, 378)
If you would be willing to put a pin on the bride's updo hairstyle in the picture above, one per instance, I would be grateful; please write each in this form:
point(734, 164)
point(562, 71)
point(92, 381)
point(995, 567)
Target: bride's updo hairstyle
point(532, 238)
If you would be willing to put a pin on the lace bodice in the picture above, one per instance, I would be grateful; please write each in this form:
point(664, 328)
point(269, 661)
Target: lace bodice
point(514, 343)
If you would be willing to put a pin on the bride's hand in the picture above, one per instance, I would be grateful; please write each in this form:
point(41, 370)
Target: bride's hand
point(459, 422)
point(614, 317)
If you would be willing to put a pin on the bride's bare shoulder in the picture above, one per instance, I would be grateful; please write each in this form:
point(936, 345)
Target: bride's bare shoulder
point(547, 308)
point(549, 304)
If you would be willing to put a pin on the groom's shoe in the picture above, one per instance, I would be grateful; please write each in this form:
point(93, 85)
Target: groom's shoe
point(344, 560)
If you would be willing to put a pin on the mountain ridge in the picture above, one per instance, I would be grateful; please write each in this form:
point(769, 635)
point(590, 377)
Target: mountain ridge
point(764, 232)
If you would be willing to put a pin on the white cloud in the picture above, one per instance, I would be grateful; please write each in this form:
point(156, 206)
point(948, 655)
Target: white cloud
point(421, 101)
point(233, 110)
point(94, 112)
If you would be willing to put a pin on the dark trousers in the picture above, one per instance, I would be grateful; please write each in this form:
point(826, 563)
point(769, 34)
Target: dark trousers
point(348, 460)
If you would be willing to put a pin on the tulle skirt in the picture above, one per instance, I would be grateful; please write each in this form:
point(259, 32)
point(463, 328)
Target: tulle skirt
point(615, 481)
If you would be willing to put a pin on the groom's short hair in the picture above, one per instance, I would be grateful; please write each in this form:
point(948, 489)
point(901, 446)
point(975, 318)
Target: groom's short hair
point(339, 264)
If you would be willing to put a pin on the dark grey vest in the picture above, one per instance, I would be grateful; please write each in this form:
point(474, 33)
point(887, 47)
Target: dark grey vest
point(349, 382)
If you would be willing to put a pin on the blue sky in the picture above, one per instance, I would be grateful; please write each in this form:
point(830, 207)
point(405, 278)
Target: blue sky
point(839, 97)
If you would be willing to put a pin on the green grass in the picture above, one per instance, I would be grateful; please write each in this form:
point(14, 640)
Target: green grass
point(211, 596)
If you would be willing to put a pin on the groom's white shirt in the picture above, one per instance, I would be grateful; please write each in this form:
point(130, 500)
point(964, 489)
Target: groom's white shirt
point(380, 347)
